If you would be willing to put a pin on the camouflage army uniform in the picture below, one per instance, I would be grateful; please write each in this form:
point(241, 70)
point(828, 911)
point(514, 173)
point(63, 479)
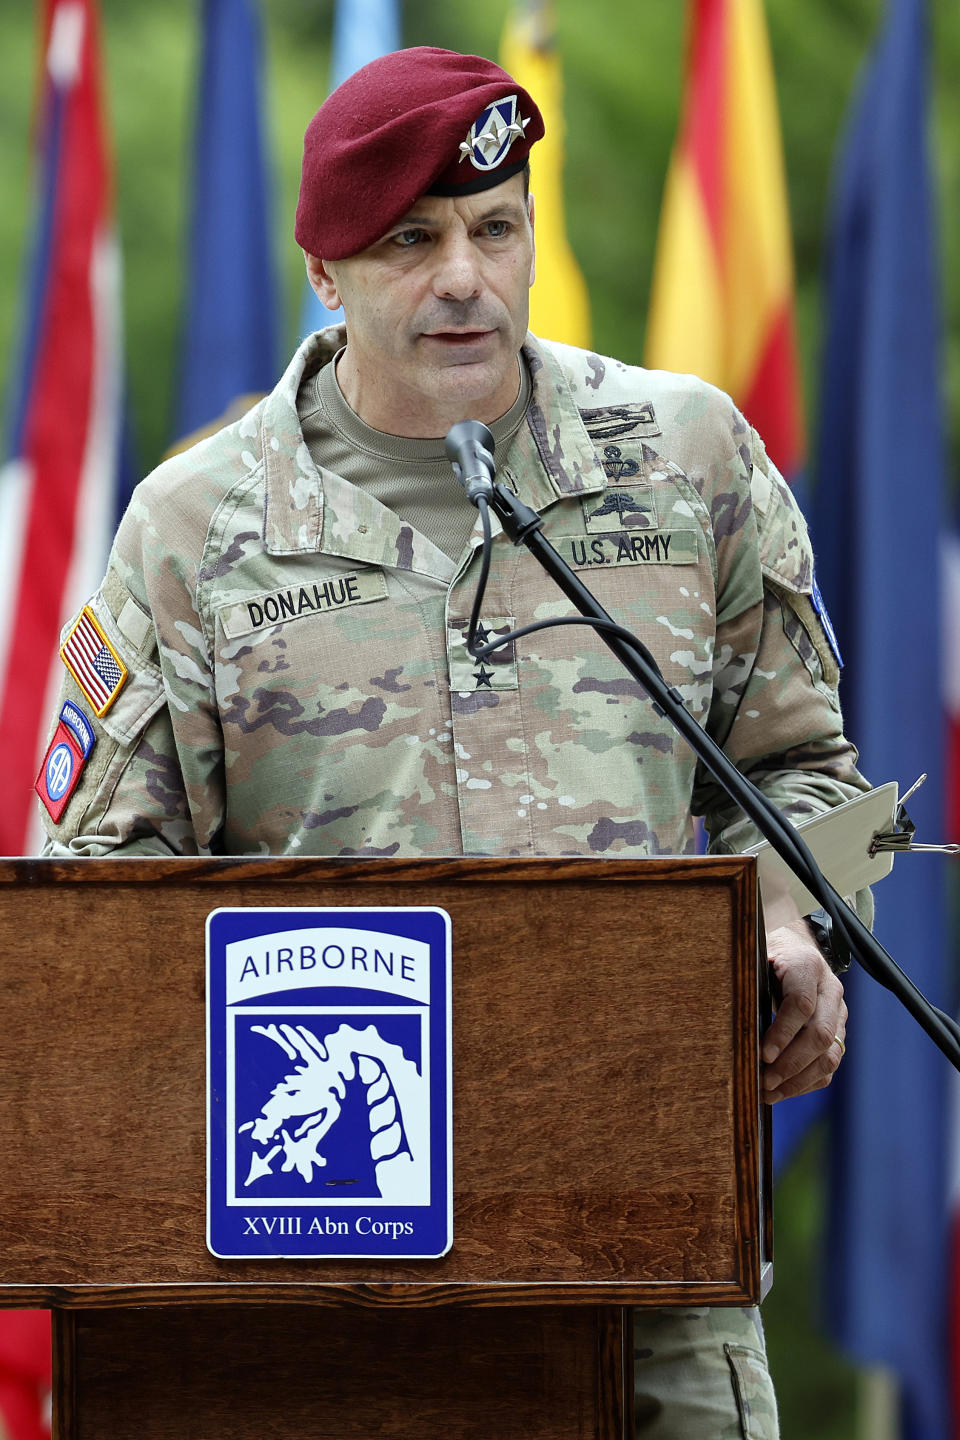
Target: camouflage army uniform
point(299, 682)
point(256, 601)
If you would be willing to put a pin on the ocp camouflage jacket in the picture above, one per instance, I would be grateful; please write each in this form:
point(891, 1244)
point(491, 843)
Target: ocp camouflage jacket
point(297, 676)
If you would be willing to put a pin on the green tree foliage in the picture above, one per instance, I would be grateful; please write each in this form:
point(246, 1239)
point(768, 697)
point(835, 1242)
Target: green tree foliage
point(623, 62)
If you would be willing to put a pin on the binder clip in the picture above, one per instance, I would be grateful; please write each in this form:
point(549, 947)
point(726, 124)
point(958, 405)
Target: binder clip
point(901, 838)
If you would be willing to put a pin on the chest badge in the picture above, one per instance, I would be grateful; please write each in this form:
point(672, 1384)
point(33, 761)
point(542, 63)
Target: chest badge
point(615, 466)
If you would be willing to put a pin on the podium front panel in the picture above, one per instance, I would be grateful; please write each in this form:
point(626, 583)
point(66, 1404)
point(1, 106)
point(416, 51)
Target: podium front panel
point(607, 1133)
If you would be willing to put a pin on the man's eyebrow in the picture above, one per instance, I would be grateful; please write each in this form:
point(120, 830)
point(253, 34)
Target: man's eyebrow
point(507, 209)
point(409, 221)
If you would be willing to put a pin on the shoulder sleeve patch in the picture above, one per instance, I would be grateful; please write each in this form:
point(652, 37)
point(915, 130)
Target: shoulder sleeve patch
point(93, 662)
point(786, 555)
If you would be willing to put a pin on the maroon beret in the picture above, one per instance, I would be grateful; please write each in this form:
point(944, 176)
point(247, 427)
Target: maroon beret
point(410, 122)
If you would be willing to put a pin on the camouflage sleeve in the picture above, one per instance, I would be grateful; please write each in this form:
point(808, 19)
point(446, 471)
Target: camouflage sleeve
point(152, 783)
point(776, 710)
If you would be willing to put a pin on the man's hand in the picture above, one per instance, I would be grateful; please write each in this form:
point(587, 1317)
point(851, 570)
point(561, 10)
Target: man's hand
point(804, 1045)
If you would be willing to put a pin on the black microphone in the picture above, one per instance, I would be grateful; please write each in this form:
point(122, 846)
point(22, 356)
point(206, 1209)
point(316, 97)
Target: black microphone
point(469, 446)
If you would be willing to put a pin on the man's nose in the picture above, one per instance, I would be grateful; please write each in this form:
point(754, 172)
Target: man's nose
point(458, 269)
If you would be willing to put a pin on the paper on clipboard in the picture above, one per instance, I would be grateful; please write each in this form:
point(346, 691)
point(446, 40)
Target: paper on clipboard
point(839, 841)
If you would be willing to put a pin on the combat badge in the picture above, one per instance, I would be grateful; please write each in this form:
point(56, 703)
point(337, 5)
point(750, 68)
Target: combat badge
point(93, 662)
point(72, 742)
point(329, 1083)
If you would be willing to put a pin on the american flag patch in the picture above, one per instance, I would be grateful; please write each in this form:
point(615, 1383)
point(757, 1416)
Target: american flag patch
point(93, 662)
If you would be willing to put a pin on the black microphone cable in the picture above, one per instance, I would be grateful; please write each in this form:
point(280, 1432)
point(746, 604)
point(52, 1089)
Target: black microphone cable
point(667, 700)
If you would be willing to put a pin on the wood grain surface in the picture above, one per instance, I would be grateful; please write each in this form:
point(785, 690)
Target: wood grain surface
point(607, 1143)
point(255, 1374)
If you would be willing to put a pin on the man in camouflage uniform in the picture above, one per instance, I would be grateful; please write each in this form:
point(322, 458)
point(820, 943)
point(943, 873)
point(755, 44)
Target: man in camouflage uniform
point(276, 664)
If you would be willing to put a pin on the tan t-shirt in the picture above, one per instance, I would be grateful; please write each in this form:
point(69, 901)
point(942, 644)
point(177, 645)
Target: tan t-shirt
point(413, 478)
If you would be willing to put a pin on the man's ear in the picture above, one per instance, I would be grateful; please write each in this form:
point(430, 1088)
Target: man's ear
point(533, 240)
point(322, 282)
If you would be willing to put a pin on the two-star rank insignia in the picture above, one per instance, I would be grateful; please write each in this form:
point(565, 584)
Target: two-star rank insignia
point(470, 673)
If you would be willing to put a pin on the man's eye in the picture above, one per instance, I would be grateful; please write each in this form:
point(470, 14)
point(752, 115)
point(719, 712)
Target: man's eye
point(497, 229)
point(406, 238)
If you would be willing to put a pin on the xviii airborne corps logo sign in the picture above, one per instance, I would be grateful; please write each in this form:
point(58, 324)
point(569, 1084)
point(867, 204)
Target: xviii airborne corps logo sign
point(329, 1101)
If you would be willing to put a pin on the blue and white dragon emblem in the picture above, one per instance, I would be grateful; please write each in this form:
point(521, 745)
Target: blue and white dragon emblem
point(351, 1076)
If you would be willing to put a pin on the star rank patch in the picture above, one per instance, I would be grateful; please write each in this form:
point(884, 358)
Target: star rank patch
point(93, 662)
point(72, 742)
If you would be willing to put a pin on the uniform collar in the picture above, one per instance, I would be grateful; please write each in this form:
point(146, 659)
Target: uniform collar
point(309, 509)
point(552, 457)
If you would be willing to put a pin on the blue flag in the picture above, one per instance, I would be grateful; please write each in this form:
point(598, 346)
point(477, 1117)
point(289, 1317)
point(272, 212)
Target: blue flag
point(877, 516)
point(362, 30)
point(230, 335)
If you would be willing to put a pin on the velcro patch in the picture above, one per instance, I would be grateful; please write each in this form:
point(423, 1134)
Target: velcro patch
point(79, 727)
point(620, 507)
point(831, 634)
point(498, 672)
point(629, 547)
point(60, 770)
point(277, 607)
point(609, 422)
point(93, 662)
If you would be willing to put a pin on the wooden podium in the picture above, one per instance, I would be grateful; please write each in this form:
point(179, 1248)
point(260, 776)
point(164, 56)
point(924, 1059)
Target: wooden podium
point(609, 1151)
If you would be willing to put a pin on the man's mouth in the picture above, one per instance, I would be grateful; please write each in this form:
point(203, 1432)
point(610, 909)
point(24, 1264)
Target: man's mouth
point(458, 337)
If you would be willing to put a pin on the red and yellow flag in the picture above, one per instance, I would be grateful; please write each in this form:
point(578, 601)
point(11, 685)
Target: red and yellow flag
point(722, 300)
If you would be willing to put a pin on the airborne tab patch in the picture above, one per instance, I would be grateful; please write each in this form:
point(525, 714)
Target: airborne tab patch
point(79, 727)
point(93, 662)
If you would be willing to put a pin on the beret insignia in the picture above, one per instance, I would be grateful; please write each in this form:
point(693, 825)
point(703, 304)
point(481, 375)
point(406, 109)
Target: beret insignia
point(492, 133)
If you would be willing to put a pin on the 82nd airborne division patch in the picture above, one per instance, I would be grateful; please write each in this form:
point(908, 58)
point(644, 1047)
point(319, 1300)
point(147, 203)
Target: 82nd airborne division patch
point(66, 756)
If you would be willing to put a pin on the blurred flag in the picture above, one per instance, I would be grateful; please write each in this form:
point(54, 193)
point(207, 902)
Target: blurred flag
point(559, 305)
point(24, 1375)
point(951, 671)
point(362, 30)
point(63, 421)
point(722, 300)
point(878, 523)
point(57, 486)
point(951, 682)
point(721, 305)
point(230, 324)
